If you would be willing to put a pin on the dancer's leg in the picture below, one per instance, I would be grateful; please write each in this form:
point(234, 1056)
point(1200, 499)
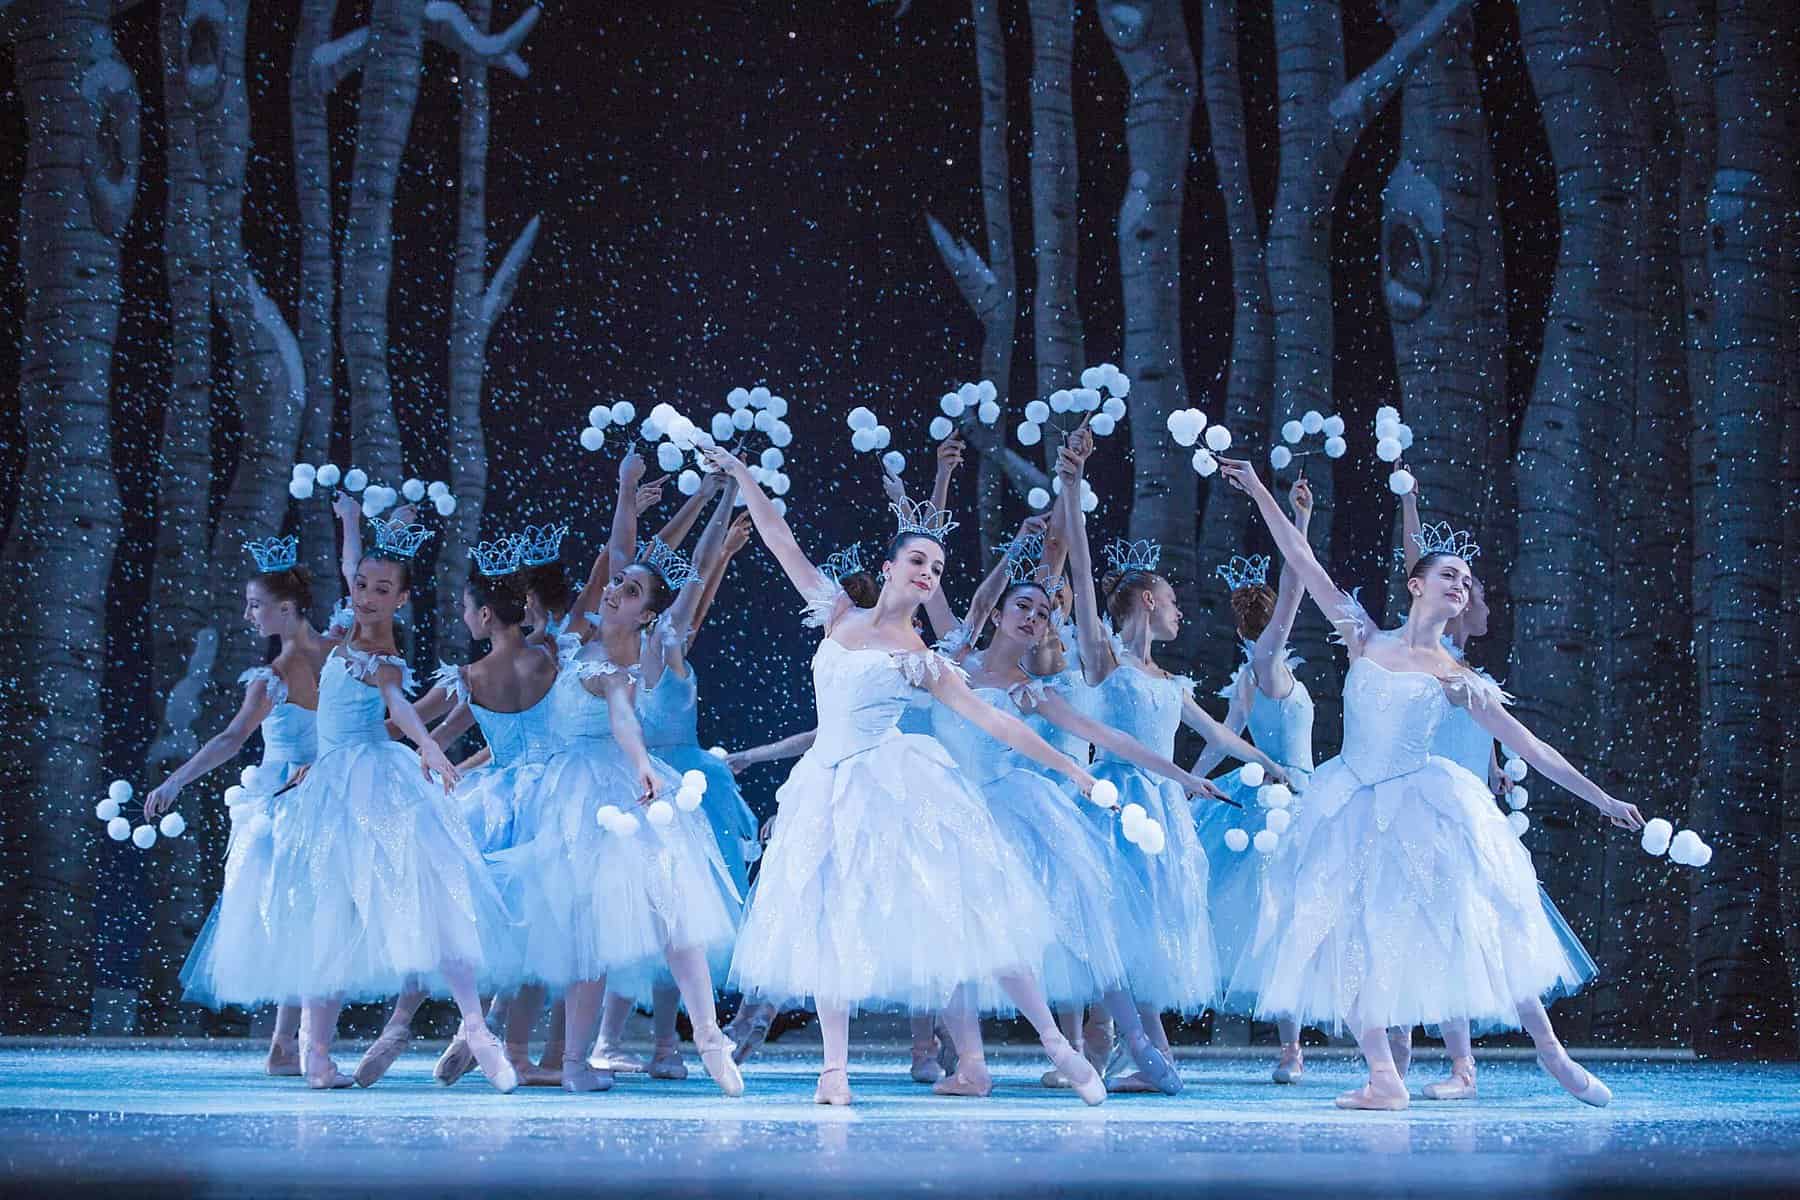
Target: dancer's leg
point(1553, 1058)
point(606, 1054)
point(694, 978)
point(1097, 1037)
point(1400, 1045)
point(1461, 1084)
point(320, 1021)
point(388, 1047)
point(1292, 1066)
point(1022, 988)
point(581, 1019)
point(284, 1041)
point(925, 1068)
point(1155, 1064)
point(1069, 1021)
point(551, 1058)
point(1384, 1090)
point(489, 1054)
point(971, 1077)
point(665, 1051)
point(834, 1072)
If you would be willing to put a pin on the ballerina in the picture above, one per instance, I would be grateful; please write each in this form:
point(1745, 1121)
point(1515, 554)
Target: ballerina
point(1166, 929)
point(505, 692)
point(1467, 744)
point(668, 709)
point(1270, 700)
point(1074, 859)
point(1400, 895)
point(374, 881)
point(592, 901)
point(886, 881)
point(281, 700)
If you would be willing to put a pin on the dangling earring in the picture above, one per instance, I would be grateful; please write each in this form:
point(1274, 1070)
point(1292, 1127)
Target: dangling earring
point(882, 575)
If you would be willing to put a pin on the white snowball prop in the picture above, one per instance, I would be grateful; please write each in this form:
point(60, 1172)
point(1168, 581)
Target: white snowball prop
point(1518, 798)
point(328, 475)
point(1204, 462)
point(118, 829)
point(883, 435)
point(1102, 425)
point(1515, 769)
point(1280, 457)
point(952, 405)
point(445, 505)
point(894, 461)
point(1275, 795)
point(989, 412)
point(1401, 483)
point(1062, 400)
point(172, 825)
point(592, 439)
point(861, 418)
point(234, 795)
point(1131, 817)
point(742, 419)
point(688, 483)
point(1237, 840)
point(1336, 447)
point(1333, 427)
point(1218, 439)
point(1388, 449)
point(862, 440)
point(626, 823)
point(623, 413)
point(1251, 774)
point(1687, 848)
point(1037, 412)
point(355, 479)
point(1113, 407)
point(694, 780)
point(1278, 820)
point(941, 428)
point(606, 815)
point(438, 488)
point(1266, 841)
point(1151, 837)
point(780, 506)
point(1312, 421)
point(144, 837)
point(106, 810)
point(687, 799)
point(719, 752)
point(248, 776)
point(300, 489)
point(1519, 822)
point(413, 490)
point(1030, 434)
point(660, 813)
point(1292, 432)
point(119, 790)
point(1038, 498)
point(1105, 794)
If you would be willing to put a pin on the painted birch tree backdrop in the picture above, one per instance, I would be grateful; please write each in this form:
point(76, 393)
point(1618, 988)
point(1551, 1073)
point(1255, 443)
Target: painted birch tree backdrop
point(423, 238)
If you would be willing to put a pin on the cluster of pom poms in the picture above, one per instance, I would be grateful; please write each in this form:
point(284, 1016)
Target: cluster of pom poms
point(660, 813)
point(978, 400)
point(1102, 392)
point(1187, 426)
point(1275, 800)
point(1312, 423)
point(1685, 847)
point(376, 498)
point(869, 436)
point(1393, 437)
point(111, 812)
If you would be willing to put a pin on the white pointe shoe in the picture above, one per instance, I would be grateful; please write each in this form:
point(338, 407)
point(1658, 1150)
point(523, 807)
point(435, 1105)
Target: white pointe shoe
point(1591, 1091)
point(1392, 1098)
point(490, 1056)
point(1460, 1085)
point(284, 1058)
point(833, 1088)
point(608, 1057)
point(1080, 1072)
point(716, 1056)
point(1292, 1067)
point(322, 1075)
point(578, 1076)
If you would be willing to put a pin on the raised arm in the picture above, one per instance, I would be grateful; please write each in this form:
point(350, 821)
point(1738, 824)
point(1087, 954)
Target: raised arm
point(981, 605)
point(1409, 524)
point(950, 690)
point(675, 530)
point(1267, 659)
point(737, 536)
point(350, 545)
point(770, 525)
point(937, 608)
point(1063, 715)
point(1492, 716)
point(1208, 727)
point(792, 746)
point(949, 457)
point(1097, 660)
point(1296, 552)
point(219, 749)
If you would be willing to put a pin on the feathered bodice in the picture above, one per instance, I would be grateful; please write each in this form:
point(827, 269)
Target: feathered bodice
point(1392, 718)
point(861, 694)
point(575, 712)
point(1282, 729)
point(351, 710)
point(1141, 705)
point(290, 734)
point(670, 711)
point(512, 737)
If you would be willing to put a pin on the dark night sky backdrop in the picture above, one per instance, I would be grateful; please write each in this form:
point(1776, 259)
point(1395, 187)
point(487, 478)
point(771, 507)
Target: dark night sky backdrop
point(735, 193)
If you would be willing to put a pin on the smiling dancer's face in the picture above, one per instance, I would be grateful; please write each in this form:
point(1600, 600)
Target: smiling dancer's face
point(915, 571)
point(1441, 587)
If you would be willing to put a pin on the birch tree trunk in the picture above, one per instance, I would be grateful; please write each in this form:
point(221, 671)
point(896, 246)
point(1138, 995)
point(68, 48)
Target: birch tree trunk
point(182, 642)
point(1055, 192)
point(1566, 463)
point(77, 196)
point(1642, 946)
point(1150, 40)
point(1226, 529)
point(390, 92)
point(1746, 997)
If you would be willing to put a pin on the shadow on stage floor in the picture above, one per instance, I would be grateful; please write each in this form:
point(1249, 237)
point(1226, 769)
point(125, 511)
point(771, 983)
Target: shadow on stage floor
point(155, 1120)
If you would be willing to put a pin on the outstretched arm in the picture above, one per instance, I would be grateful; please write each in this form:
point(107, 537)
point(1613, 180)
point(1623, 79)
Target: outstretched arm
point(1266, 659)
point(770, 525)
point(219, 749)
point(1097, 660)
point(1331, 600)
point(400, 712)
point(1409, 524)
point(349, 515)
point(623, 534)
point(1236, 717)
point(1203, 723)
point(737, 535)
point(950, 691)
point(1493, 717)
point(792, 746)
point(1064, 715)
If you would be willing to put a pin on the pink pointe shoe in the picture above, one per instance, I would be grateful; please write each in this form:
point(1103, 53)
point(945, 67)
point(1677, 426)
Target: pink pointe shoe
point(608, 1057)
point(1080, 1072)
point(970, 1079)
point(455, 1062)
point(1389, 1096)
point(532, 1074)
point(1460, 1085)
point(747, 1032)
point(322, 1075)
point(380, 1056)
point(925, 1065)
point(284, 1057)
point(716, 1056)
point(577, 1076)
point(833, 1088)
point(1577, 1082)
point(1292, 1067)
point(490, 1056)
point(666, 1062)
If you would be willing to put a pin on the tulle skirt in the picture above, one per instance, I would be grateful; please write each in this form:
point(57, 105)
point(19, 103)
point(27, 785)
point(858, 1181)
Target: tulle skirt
point(1165, 928)
point(734, 826)
point(887, 884)
point(490, 798)
point(592, 903)
point(1405, 902)
point(1238, 877)
point(234, 953)
point(374, 883)
point(1074, 863)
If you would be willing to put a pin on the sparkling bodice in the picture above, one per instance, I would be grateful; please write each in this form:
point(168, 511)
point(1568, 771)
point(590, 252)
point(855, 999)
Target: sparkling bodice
point(981, 757)
point(670, 711)
point(517, 737)
point(575, 712)
point(1390, 719)
point(351, 710)
point(862, 694)
point(1141, 705)
point(290, 734)
point(1282, 729)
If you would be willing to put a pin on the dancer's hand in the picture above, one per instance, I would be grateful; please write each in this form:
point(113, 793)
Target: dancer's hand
point(1300, 498)
point(160, 800)
point(891, 487)
point(1499, 782)
point(431, 758)
point(737, 535)
point(1621, 814)
point(1194, 785)
point(346, 506)
point(717, 458)
point(1032, 526)
point(405, 514)
point(649, 495)
point(631, 469)
point(739, 761)
point(1083, 780)
point(950, 454)
point(1080, 442)
point(1274, 774)
point(1068, 467)
point(1242, 476)
point(648, 784)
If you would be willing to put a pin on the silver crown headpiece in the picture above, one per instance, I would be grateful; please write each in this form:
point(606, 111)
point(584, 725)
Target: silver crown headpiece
point(501, 556)
point(841, 564)
point(274, 553)
point(398, 539)
point(675, 570)
point(922, 516)
point(1243, 572)
point(541, 544)
point(1141, 555)
point(1440, 538)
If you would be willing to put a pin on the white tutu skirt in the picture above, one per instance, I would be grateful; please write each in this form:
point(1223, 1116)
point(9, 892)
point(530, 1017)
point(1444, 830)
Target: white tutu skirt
point(1165, 928)
point(734, 826)
point(234, 953)
point(887, 884)
point(1073, 861)
point(490, 798)
point(374, 883)
point(1406, 902)
point(591, 903)
point(1238, 877)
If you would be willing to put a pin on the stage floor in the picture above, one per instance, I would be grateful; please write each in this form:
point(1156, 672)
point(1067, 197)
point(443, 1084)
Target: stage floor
point(155, 1120)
